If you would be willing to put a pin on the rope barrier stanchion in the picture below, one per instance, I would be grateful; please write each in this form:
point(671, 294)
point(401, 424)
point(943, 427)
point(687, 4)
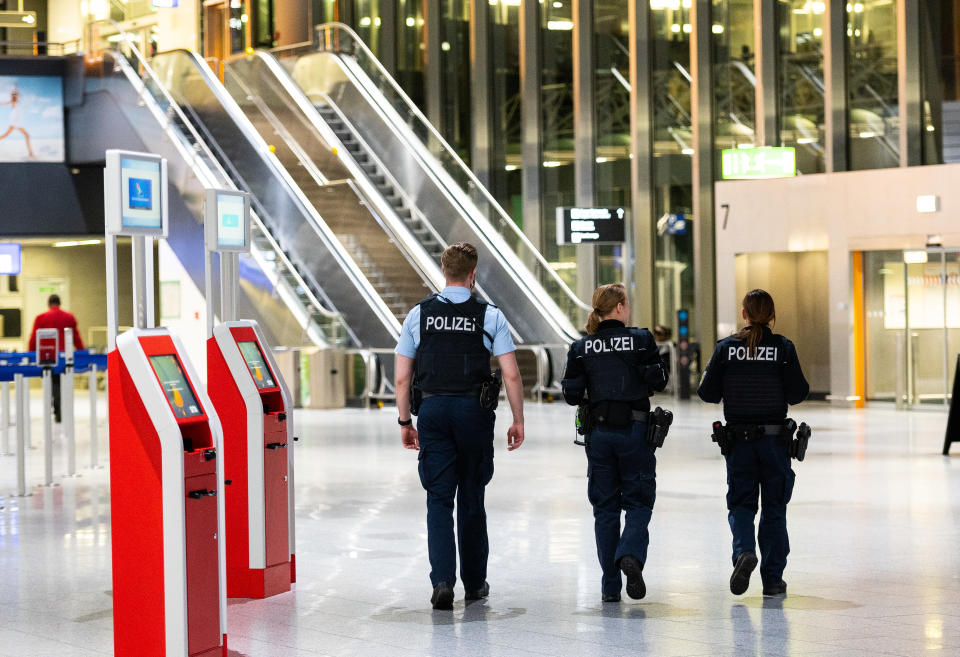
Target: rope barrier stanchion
point(23, 415)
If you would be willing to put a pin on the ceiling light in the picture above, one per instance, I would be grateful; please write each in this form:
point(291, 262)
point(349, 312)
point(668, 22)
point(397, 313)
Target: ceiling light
point(915, 257)
point(550, 164)
point(75, 243)
point(559, 25)
point(717, 28)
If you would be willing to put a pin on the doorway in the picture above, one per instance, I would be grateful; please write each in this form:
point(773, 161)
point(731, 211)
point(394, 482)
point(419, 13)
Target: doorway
point(912, 317)
point(226, 28)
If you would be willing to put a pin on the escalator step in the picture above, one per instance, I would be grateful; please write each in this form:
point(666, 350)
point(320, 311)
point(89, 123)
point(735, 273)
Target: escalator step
point(353, 147)
point(378, 179)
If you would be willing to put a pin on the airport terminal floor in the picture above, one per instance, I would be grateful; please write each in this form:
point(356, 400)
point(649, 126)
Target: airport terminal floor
point(874, 527)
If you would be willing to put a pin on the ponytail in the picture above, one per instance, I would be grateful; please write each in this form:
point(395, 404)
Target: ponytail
point(606, 298)
point(760, 311)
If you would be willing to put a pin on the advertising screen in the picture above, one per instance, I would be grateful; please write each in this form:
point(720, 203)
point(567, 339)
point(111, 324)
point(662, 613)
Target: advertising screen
point(230, 226)
point(31, 119)
point(257, 365)
point(140, 190)
point(175, 386)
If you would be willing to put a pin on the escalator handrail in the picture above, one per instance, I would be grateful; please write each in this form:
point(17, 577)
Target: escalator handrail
point(212, 165)
point(250, 132)
point(480, 187)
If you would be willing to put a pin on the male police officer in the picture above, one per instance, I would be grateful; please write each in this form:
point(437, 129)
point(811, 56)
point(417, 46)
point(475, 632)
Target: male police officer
point(445, 343)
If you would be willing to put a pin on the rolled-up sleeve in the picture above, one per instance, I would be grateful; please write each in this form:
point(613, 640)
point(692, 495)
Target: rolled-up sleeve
point(407, 344)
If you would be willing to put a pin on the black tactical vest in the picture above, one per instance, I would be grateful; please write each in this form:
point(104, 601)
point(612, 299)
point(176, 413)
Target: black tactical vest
point(452, 358)
point(612, 358)
point(753, 382)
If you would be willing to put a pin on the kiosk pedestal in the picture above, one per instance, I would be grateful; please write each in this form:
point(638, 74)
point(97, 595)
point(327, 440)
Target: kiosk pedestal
point(169, 595)
point(255, 407)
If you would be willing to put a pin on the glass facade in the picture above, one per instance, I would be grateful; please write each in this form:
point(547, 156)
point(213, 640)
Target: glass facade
point(456, 119)
point(556, 102)
point(872, 84)
point(734, 82)
point(801, 82)
point(506, 107)
point(411, 49)
point(672, 162)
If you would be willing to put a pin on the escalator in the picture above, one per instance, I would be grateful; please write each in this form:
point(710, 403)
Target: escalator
point(346, 91)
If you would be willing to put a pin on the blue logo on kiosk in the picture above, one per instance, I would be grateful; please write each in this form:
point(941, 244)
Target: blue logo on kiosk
point(141, 196)
point(230, 221)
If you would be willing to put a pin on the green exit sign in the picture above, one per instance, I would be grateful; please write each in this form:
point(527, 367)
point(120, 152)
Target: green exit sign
point(763, 162)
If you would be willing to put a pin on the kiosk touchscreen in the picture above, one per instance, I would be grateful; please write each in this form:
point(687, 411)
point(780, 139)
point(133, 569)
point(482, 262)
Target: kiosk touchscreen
point(166, 474)
point(255, 406)
point(47, 347)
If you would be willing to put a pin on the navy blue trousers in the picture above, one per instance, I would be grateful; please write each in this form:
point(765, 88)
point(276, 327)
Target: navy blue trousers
point(621, 477)
point(760, 470)
point(456, 462)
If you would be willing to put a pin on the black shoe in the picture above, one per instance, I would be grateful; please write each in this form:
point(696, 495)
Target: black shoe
point(775, 590)
point(478, 594)
point(611, 597)
point(633, 569)
point(740, 579)
point(442, 596)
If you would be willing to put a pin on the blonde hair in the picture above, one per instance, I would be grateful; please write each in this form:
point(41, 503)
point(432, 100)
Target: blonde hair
point(606, 298)
point(458, 260)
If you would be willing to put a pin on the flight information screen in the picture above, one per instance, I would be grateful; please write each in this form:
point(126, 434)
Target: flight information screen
point(257, 364)
point(175, 386)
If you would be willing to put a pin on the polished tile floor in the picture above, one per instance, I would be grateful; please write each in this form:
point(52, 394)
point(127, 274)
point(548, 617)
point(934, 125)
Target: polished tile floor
point(875, 568)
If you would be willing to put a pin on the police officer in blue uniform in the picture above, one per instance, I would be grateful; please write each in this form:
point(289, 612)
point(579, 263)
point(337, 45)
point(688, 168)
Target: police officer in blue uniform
point(444, 348)
point(756, 374)
point(613, 371)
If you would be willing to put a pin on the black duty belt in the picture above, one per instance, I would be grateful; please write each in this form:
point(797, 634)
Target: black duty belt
point(470, 394)
point(748, 432)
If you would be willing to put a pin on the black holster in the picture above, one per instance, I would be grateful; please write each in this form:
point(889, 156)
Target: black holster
point(798, 446)
point(658, 426)
point(490, 391)
point(722, 438)
point(416, 396)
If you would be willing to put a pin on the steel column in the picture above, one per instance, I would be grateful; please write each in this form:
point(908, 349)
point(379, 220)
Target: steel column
point(139, 281)
point(704, 238)
point(22, 394)
point(640, 259)
point(432, 65)
point(835, 86)
point(94, 428)
point(113, 311)
point(530, 82)
point(584, 136)
point(5, 420)
point(766, 54)
point(481, 98)
point(47, 383)
point(69, 425)
point(909, 75)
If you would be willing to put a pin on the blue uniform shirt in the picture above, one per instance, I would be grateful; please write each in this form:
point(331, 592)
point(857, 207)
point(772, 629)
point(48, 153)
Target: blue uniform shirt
point(493, 322)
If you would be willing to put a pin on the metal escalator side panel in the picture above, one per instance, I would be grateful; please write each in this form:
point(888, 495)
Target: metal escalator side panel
point(324, 148)
point(301, 232)
point(509, 281)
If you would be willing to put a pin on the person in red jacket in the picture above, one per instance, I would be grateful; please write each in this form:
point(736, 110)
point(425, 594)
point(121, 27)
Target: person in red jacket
point(58, 319)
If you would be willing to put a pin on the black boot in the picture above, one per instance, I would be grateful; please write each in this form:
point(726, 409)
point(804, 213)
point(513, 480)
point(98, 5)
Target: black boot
point(633, 569)
point(775, 590)
point(740, 579)
point(611, 597)
point(442, 596)
point(478, 594)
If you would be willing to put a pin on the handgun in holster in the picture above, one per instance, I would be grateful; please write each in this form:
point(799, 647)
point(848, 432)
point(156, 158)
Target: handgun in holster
point(490, 391)
point(722, 438)
point(416, 396)
point(798, 446)
point(658, 426)
point(584, 423)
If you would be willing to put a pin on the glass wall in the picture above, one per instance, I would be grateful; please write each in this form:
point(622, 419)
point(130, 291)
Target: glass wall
point(366, 16)
point(411, 49)
point(611, 89)
point(557, 116)
point(672, 164)
point(735, 85)
point(322, 11)
point(872, 84)
point(506, 180)
point(455, 75)
point(801, 81)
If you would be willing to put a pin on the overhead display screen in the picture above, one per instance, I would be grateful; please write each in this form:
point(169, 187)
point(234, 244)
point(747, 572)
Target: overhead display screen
point(10, 259)
point(140, 193)
point(257, 364)
point(31, 118)
point(175, 386)
point(231, 230)
point(591, 225)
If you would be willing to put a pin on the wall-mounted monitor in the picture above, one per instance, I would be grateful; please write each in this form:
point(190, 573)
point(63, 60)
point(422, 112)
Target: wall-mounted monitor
point(31, 118)
point(135, 194)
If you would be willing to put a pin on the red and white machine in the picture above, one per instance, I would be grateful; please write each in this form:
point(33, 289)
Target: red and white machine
point(166, 493)
point(255, 406)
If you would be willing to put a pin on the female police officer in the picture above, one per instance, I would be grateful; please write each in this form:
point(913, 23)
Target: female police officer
point(756, 373)
point(615, 369)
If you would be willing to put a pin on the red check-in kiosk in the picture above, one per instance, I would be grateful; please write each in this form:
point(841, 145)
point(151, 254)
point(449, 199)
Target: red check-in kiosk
point(255, 407)
point(166, 474)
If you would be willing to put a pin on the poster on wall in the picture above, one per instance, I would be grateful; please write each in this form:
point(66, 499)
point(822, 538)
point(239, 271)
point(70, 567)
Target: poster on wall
point(31, 119)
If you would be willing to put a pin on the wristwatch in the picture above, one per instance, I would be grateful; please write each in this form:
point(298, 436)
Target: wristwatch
point(404, 423)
